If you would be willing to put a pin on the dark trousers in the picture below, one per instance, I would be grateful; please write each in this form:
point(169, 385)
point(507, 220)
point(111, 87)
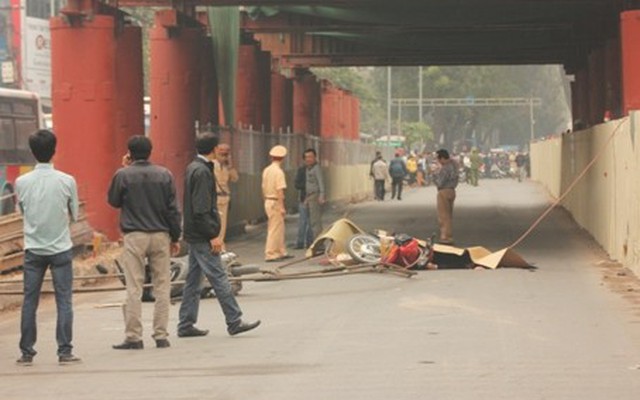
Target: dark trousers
point(35, 267)
point(379, 188)
point(396, 188)
point(203, 262)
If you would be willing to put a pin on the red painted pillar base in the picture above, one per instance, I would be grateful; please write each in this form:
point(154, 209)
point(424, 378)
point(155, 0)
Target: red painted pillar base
point(630, 31)
point(86, 87)
point(175, 79)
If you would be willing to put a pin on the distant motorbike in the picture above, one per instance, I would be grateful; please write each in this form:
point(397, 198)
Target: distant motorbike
point(178, 272)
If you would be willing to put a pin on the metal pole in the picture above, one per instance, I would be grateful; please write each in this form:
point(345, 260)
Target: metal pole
point(388, 105)
point(420, 93)
point(399, 130)
point(531, 120)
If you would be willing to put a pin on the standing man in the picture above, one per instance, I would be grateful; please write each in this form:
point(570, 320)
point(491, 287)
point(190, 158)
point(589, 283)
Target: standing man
point(446, 180)
point(150, 222)
point(48, 199)
point(315, 193)
point(224, 174)
point(305, 237)
point(520, 164)
point(397, 170)
point(380, 174)
point(273, 186)
point(476, 163)
point(201, 230)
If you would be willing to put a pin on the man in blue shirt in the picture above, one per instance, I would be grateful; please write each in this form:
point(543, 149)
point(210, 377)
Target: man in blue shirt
point(48, 200)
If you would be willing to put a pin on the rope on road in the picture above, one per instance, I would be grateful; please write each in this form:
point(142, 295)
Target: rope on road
point(569, 189)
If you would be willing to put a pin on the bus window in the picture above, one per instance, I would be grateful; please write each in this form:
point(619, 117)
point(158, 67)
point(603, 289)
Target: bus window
point(7, 134)
point(24, 128)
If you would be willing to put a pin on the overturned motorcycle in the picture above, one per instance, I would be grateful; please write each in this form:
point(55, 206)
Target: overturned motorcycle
point(178, 273)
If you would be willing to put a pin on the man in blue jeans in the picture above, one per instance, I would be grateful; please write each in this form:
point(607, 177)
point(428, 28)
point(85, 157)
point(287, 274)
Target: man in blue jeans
point(305, 236)
point(48, 200)
point(201, 228)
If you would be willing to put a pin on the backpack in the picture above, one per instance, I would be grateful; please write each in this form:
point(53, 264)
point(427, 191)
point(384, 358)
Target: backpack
point(396, 169)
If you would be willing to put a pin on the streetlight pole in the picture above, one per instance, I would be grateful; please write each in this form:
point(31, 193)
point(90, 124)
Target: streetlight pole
point(388, 105)
point(420, 93)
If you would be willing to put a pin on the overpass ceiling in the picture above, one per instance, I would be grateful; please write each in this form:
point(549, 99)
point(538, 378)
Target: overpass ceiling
point(438, 32)
point(427, 32)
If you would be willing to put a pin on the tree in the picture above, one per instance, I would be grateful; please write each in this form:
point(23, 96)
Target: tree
point(417, 134)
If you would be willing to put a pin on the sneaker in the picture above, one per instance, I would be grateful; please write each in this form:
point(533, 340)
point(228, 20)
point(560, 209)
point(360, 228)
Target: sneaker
point(68, 359)
point(26, 360)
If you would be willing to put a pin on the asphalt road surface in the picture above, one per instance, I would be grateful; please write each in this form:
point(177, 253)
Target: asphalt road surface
point(569, 329)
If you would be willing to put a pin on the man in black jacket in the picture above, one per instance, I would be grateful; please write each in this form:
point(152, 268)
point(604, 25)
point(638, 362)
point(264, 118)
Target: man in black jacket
point(150, 221)
point(305, 237)
point(201, 228)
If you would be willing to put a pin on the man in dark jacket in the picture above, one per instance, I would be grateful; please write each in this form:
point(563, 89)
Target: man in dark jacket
point(397, 170)
point(201, 227)
point(150, 221)
point(305, 237)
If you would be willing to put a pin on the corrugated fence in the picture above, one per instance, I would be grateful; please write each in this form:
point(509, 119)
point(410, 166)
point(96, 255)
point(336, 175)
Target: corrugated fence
point(606, 202)
point(345, 165)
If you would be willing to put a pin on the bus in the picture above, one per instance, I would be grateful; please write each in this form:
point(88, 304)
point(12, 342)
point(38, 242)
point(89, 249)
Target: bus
point(20, 115)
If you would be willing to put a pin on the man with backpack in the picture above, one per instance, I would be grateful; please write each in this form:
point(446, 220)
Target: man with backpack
point(397, 170)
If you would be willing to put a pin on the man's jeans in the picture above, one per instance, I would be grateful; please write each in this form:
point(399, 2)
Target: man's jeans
point(305, 236)
point(35, 267)
point(202, 261)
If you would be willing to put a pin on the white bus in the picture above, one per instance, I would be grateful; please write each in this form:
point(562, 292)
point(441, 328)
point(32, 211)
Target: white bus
point(20, 116)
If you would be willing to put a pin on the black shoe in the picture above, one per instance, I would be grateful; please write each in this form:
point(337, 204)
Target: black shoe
point(129, 345)
point(162, 343)
point(243, 327)
point(26, 360)
point(193, 332)
point(282, 258)
point(69, 359)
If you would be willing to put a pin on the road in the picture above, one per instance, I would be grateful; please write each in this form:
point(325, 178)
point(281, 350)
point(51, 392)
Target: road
point(569, 329)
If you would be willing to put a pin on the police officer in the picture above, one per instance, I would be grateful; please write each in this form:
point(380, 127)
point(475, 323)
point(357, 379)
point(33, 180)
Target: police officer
point(273, 186)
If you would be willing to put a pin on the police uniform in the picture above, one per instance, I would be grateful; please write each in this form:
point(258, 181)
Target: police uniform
point(224, 175)
point(273, 181)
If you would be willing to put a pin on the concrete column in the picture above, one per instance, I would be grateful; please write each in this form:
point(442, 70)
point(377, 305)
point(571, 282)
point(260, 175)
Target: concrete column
point(580, 98)
point(83, 66)
point(281, 102)
point(306, 103)
point(329, 111)
point(596, 86)
point(175, 94)
point(247, 86)
point(630, 31)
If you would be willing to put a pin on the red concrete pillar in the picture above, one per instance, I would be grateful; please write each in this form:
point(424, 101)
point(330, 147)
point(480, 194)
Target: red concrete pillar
point(129, 92)
point(84, 98)
point(209, 109)
point(328, 108)
point(175, 94)
point(247, 86)
point(355, 118)
point(280, 103)
point(613, 88)
point(629, 33)
point(305, 106)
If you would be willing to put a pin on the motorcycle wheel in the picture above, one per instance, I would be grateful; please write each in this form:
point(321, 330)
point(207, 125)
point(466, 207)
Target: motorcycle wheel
point(364, 248)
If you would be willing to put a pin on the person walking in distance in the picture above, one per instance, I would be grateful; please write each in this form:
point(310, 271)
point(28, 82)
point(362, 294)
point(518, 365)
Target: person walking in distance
point(48, 200)
point(380, 173)
point(224, 174)
point(150, 222)
point(304, 238)
point(397, 171)
point(315, 193)
point(201, 228)
point(273, 186)
point(446, 180)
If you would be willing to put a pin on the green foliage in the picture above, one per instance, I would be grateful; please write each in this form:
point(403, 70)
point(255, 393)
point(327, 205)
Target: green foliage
point(417, 133)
